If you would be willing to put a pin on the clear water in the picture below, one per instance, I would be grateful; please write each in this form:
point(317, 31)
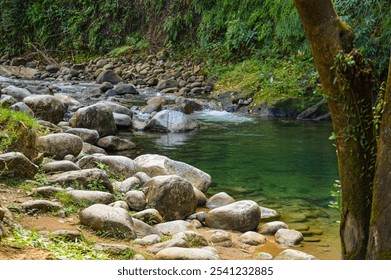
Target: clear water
point(264, 160)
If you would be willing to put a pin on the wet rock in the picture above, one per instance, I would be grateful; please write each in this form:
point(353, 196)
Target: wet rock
point(219, 199)
point(122, 120)
point(82, 179)
point(97, 117)
point(272, 227)
point(175, 253)
point(122, 89)
point(241, 216)
point(108, 76)
point(92, 197)
point(252, 238)
point(288, 237)
point(115, 221)
point(106, 86)
point(171, 121)
point(18, 93)
point(59, 166)
point(40, 206)
point(221, 238)
point(118, 165)
point(59, 145)
point(172, 196)
point(46, 107)
point(155, 165)
point(90, 136)
point(174, 227)
point(114, 143)
point(17, 165)
point(150, 216)
point(268, 214)
point(290, 254)
point(135, 200)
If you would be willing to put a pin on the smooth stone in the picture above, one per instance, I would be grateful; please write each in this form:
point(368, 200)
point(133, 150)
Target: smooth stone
point(46, 107)
point(17, 165)
point(241, 216)
point(120, 204)
point(59, 166)
point(59, 145)
point(193, 239)
point(142, 229)
point(113, 220)
point(129, 184)
point(16, 92)
point(173, 227)
point(150, 216)
point(154, 249)
point(117, 165)
point(90, 136)
point(148, 240)
point(221, 238)
point(171, 121)
point(176, 253)
point(122, 89)
point(90, 149)
point(201, 197)
point(22, 107)
point(288, 237)
point(92, 197)
point(47, 191)
point(219, 199)
point(40, 205)
point(122, 120)
point(108, 76)
point(263, 256)
point(135, 200)
point(116, 107)
point(290, 254)
point(252, 238)
point(268, 214)
point(114, 143)
point(271, 228)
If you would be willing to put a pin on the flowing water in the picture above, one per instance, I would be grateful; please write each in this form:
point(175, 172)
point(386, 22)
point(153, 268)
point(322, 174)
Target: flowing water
point(286, 165)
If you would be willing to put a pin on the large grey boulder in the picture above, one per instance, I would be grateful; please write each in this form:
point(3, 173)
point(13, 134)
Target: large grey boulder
point(171, 121)
point(115, 221)
point(127, 185)
point(116, 107)
point(90, 136)
point(22, 107)
point(82, 179)
point(172, 196)
point(122, 120)
point(290, 254)
point(135, 200)
point(59, 145)
point(122, 89)
point(177, 253)
point(174, 227)
point(17, 165)
point(155, 165)
point(117, 165)
point(46, 107)
point(59, 166)
point(289, 237)
point(143, 229)
point(219, 199)
point(241, 216)
point(97, 117)
point(268, 214)
point(16, 92)
point(108, 76)
point(114, 143)
point(92, 197)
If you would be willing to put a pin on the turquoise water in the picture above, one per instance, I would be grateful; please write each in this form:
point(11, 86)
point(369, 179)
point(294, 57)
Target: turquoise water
point(273, 162)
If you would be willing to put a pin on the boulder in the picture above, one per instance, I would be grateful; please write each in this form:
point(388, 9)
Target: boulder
point(116, 108)
point(148, 240)
point(97, 117)
point(240, 216)
point(114, 143)
point(59, 166)
point(155, 165)
point(150, 216)
point(59, 145)
point(18, 93)
point(122, 120)
point(17, 165)
point(272, 227)
point(129, 184)
point(113, 220)
point(219, 199)
point(172, 196)
point(40, 206)
point(289, 237)
point(174, 227)
point(252, 238)
point(193, 239)
point(90, 136)
point(89, 149)
point(171, 121)
point(290, 254)
point(46, 107)
point(164, 84)
point(117, 165)
point(143, 229)
point(201, 197)
point(82, 179)
point(221, 238)
point(177, 253)
point(122, 89)
point(92, 197)
point(121, 204)
point(135, 200)
point(22, 107)
point(108, 76)
point(47, 191)
point(268, 214)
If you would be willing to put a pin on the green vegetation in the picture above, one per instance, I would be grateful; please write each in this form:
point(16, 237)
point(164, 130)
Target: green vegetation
point(12, 126)
point(60, 248)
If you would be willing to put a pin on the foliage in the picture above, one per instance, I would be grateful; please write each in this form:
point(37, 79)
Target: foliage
point(82, 249)
point(336, 194)
point(12, 125)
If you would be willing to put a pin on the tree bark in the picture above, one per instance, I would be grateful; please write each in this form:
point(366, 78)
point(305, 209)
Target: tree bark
point(379, 246)
point(348, 87)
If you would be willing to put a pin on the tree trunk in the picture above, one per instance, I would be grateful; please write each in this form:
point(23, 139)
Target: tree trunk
point(347, 83)
point(379, 246)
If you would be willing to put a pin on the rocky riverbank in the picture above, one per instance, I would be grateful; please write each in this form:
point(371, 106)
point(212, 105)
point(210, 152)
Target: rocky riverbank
point(157, 205)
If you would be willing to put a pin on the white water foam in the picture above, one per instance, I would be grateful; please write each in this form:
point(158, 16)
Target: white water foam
point(221, 116)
